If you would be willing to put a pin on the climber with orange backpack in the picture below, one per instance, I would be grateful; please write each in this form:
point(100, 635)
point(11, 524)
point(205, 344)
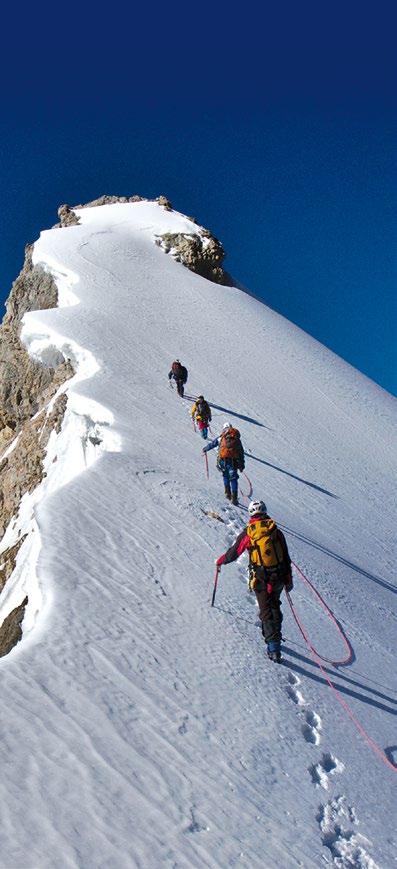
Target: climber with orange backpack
point(230, 459)
point(269, 571)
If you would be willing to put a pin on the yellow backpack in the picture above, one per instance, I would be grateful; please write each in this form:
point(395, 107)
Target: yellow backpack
point(266, 549)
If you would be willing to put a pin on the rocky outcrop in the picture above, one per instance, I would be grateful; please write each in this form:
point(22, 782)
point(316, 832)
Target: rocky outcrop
point(33, 290)
point(26, 385)
point(23, 469)
point(11, 630)
point(67, 217)
point(201, 252)
point(26, 388)
point(8, 558)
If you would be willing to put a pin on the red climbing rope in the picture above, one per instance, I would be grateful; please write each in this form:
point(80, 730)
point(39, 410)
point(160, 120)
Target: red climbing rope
point(248, 495)
point(316, 657)
point(349, 657)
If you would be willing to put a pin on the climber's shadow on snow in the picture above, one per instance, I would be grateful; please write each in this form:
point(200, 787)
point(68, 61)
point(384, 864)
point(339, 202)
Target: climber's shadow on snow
point(229, 412)
point(294, 476)
point(338, 675)
point(391, 754)
point(383, 582)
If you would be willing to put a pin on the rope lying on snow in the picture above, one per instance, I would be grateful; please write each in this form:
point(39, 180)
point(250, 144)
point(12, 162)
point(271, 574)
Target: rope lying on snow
point(317, 660)
point(349, 657)
point(247, 495)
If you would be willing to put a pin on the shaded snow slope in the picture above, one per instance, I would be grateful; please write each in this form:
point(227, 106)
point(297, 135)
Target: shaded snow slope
point(141, 728)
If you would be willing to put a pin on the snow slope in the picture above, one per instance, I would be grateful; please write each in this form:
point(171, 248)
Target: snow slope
point(140, 727)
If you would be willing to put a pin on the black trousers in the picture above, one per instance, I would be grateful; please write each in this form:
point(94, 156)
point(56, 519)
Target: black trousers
point(180, 387)
point(270, 608)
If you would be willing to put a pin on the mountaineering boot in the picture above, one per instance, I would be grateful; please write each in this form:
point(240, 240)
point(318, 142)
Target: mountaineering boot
point(234, 500)
point(274, 656)
point(228, 493)
point(274, 651)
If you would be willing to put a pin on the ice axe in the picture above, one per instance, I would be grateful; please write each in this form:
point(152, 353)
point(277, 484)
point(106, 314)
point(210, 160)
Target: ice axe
point(217, 571)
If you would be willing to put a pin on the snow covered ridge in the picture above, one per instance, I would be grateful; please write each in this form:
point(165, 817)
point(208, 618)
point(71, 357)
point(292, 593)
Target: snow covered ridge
point(195, 247)
point(142, 727)
point(35, 405)
point(42, 284)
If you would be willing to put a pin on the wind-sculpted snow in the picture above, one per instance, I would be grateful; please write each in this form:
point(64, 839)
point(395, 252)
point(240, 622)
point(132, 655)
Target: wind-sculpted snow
point(140, 726)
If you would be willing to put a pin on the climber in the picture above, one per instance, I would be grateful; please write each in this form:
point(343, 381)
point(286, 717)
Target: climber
point(201, 413)
point(230, 458)
point(179, 374)
point(269, 571)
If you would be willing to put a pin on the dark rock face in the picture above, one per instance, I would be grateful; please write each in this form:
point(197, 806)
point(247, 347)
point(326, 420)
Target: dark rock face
point(67, 217)
point(10, 630)
point(23, 469)
point(9, 557)
point(26, 388)
point(33, 290)
point(200, 252)
point(25, 384)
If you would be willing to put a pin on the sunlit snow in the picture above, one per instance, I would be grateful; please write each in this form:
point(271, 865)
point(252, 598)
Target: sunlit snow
point(141, 727)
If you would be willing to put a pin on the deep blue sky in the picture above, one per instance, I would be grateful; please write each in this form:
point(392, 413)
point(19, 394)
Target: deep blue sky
point(276, 131)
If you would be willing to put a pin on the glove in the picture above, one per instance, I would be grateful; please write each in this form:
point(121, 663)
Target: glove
point(289, 582)
point(219, 561)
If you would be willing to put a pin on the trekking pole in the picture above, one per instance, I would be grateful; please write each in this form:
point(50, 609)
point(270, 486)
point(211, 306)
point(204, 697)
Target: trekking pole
point(206, 465)
point(193, 423)
point(215, 584)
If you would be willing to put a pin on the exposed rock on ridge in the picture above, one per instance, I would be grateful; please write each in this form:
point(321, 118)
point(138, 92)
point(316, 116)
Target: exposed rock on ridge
point(201, 252)
point(26, 388)
point(23, 469)
point(11, 630)
point(25, 385)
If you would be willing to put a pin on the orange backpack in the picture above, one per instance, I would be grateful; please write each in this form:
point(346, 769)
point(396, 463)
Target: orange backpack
point(229, 446)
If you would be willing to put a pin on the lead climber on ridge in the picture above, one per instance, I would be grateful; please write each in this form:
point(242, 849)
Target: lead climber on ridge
point(230, 459)
point(179, 374)
point(269, 571)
